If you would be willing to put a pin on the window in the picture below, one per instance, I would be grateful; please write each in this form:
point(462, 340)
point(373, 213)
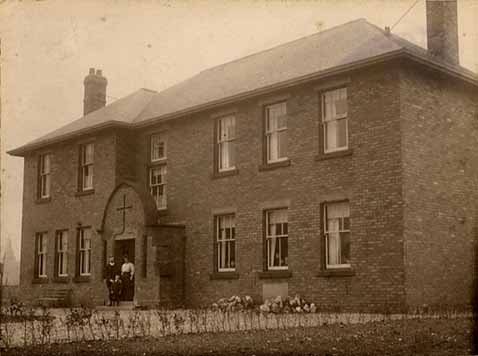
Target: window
point(337, 234)
point(334, 120)
point(158, 148)
point(157, 184)
point(41, 252)
point(226, 135)
point(276, 132)
point(87, 153)
point(61, 250)
point(276, 239)
point(84, 252)
point(226, 243)
point(44, 176)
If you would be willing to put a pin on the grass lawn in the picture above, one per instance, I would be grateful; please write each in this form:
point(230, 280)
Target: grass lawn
point(406, 337)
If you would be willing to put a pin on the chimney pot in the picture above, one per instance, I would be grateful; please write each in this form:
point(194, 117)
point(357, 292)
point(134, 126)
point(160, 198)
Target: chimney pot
point(442, 29)
point(95, 91)
point(387, 30)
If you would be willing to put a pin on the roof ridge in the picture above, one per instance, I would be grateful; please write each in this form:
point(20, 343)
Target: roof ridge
point(285, 44)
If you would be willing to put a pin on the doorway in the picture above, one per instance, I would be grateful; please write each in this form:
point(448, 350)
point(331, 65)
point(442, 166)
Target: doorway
point(125, 248)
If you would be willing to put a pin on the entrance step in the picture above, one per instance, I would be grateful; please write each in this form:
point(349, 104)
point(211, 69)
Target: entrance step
point(121, 306)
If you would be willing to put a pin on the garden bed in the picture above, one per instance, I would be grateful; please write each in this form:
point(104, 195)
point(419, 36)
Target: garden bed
point(425, 336)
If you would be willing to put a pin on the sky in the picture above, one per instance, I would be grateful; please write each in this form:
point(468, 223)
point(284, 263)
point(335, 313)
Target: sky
point(48, 47)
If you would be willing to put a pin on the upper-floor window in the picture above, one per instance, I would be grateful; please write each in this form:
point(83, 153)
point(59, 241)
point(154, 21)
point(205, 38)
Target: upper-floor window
point(277, 233)
point(276, 132)
point(226, 242)
point(44, 176)
point(226, 135)
point(334, 120)
point(157, 185)
point(87, 152)
point(337, 234)
point(84, 251)
point(157, 147)
point(41, 253)
point(61, 253)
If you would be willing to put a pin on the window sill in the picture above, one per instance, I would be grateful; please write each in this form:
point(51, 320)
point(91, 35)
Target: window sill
point(323, 156)
point(163, 211)
point(337, 272)
point(61, 280)
point(223, 174)
point(274, 165)
point(162, 160)
point(43, 200)
point(40, 280)
point(84, 192)
point(82, 279)
point(275, 274)
point(224, 275)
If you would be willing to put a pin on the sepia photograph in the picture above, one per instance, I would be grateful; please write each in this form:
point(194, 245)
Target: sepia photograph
point(239, 177)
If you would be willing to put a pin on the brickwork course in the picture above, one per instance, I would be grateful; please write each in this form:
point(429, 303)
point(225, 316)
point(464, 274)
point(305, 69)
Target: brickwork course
point(410, 176)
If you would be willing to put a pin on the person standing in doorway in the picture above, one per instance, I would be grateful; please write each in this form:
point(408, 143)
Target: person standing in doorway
point(111, 270)
point(127, 276)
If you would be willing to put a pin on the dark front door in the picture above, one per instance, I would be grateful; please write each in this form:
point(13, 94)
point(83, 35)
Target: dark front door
point(125, 248)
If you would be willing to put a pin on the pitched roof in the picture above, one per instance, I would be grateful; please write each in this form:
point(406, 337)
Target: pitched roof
point(352, 44)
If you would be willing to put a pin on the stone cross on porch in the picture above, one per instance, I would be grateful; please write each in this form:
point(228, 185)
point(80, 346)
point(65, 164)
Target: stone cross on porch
point(123, 209)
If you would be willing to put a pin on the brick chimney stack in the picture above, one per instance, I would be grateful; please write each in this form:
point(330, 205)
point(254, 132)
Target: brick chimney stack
point(442, 29)
point(95, 91)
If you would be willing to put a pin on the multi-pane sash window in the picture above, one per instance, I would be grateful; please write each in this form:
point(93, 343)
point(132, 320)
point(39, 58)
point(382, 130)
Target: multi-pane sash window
point(157, 185)
point(226, 242)
point(41, 253)
point(62, 253)
point(44, 179)
point(337, 234)
point(226, 134)
point(276, 132)
point(158, 148)
point(334, 120)
point(276, 239)
point(86, 166)
point(84, 252)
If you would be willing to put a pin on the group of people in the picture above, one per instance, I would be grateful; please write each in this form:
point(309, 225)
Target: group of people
point(119, 281)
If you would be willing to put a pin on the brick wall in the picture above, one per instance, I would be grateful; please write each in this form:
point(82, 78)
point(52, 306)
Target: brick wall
point(370, 178)
point(440, 172)
point(66, 210)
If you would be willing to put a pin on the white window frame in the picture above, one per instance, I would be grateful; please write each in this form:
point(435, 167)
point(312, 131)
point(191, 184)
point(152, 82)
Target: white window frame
point(45, 175)
point(42, 248)
point(273, 238)
point(87, 166)
point(84, 251)
point(156, 141)
point(341, 229)
point(333, 95)
point(226, 143)
point(154, 186)
point(224, 243)
point(62, 253)
point(273, 131)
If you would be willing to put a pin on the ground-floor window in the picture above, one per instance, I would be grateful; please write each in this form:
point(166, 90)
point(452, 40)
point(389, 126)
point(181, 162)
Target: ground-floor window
point(41, 253)
point(337, 234)
point(84, 251)
point(61, 251)
point(226, 242)
point(277, 233)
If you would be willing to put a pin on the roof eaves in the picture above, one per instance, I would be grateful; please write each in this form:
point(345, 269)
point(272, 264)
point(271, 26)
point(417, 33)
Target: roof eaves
point(274, 87)
point(21, 151)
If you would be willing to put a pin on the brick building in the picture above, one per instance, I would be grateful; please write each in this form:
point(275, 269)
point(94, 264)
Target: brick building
point(340, 166)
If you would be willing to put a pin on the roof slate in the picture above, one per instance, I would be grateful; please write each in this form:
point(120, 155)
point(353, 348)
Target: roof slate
point(347, 44)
